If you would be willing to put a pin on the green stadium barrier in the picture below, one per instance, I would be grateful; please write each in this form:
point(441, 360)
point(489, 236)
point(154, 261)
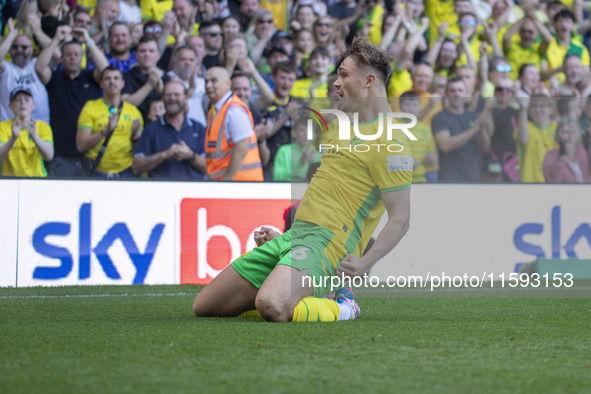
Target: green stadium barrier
point(579, 268)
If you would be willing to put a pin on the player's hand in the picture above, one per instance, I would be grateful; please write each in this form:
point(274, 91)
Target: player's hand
point(352, 266)
point(265, 235)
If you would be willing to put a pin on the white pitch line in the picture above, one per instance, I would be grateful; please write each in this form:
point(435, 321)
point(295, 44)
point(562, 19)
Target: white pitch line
point(98, 295)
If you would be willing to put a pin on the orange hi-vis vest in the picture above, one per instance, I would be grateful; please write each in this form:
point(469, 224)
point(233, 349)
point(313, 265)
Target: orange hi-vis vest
point(218, 152)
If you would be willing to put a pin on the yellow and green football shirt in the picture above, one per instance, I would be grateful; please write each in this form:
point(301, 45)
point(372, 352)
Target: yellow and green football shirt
point(555, 55)
point(119, 153)
point(438, 11)
point(517, 55)
point(24, 159)
point(531, 155)
point(344, 195)
point(301, 88)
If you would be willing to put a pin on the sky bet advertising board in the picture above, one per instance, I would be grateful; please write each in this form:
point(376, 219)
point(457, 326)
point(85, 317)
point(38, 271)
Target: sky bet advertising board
point(99, 232)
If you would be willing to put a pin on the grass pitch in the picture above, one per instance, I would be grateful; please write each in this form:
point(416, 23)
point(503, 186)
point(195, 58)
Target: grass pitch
point(145, 339)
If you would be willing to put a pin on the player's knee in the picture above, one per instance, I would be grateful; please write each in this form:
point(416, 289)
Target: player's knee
point(199, 309)
point(273, 310)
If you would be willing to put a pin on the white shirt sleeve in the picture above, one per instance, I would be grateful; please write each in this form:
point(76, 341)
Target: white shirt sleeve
point(238, 126)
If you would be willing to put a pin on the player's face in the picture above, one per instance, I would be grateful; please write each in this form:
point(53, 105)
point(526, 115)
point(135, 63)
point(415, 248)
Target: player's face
point(349, 83)
point(175, 100)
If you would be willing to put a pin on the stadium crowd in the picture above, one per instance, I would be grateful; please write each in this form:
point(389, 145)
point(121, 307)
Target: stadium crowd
point(214, 89)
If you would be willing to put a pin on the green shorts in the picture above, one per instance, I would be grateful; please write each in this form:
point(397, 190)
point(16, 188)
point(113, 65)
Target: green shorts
point(305, 246)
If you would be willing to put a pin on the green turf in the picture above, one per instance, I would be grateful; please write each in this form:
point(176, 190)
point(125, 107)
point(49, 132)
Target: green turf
point(145, 339)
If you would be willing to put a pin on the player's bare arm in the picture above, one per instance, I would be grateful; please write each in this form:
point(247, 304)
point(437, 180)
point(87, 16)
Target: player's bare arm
point(397, 205)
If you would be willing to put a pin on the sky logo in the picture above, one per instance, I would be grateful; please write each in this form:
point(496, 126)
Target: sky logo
point(119, 231)
point(582, 231)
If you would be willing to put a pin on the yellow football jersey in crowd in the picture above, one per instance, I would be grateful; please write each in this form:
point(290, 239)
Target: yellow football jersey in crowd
point(24, 159)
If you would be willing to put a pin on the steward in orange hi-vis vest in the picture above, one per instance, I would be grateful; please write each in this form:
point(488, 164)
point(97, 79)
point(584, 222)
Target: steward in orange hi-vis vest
point(218, 152)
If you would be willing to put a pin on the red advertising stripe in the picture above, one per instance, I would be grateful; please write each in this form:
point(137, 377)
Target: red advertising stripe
point(216, 231)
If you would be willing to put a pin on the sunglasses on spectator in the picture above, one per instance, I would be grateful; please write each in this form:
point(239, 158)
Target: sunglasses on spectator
point(267, 21)
point(155, 29)
point(503, 68)
point(14, 47)
point(325, 24)
point(502, 89)
point(470, 22)
point(219, 33)
point(527, 31)
point(82, 21)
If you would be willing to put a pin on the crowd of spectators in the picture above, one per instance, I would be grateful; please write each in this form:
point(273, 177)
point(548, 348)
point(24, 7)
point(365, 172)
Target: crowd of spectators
point(214, 89)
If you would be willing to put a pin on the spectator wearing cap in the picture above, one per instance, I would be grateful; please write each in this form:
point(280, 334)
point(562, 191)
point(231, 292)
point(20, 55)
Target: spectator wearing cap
point(274, 56)
point(68, 91)
point(213, 39)
point(172, 147)
point(20, 72)
point(25, 143)
point(318, 68)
